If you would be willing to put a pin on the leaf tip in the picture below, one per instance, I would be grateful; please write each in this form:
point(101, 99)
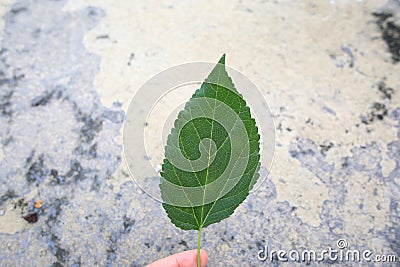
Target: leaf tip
point(222, 60)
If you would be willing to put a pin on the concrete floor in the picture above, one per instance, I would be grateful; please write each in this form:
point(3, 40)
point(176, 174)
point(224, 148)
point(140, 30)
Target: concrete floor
point(68, 69)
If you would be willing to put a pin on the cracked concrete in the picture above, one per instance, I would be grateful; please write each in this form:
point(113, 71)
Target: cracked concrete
point(69, 68)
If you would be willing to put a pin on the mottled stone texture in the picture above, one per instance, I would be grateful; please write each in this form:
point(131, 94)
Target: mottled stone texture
point(67, 71)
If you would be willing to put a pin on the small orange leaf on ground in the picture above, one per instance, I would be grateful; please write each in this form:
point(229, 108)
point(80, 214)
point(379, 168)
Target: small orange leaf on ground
point(38, 204)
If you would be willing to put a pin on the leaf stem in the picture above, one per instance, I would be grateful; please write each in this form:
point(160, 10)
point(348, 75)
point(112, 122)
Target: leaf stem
point(198, 247)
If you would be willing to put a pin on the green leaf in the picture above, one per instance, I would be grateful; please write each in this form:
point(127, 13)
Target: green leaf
point(212, 155)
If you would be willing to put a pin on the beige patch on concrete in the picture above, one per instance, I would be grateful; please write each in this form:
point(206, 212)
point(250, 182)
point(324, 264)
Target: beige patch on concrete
point(387, 165)
point(299, 187)
point(12, 221)
point(5, 6)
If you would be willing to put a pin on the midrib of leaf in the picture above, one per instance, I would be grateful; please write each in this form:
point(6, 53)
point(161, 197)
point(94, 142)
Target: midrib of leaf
point(212, 207)
point(212, 125)
point(209, 153)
